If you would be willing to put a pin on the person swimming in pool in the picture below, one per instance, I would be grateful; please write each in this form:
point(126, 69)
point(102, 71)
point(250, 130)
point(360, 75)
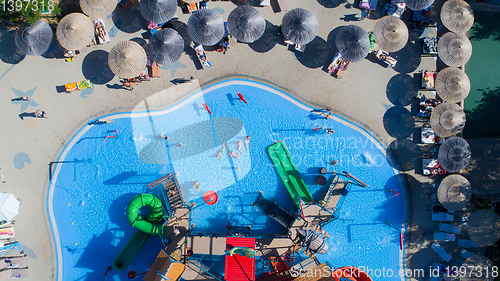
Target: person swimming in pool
point(239, 146)
point(234, 154)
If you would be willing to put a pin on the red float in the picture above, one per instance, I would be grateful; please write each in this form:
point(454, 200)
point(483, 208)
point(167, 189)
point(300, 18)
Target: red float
point(210, 197)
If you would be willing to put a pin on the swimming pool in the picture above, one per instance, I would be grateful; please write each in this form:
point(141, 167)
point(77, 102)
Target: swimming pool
point(97, 177)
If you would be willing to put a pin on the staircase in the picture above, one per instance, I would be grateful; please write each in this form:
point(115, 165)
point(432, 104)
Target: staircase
point(173, 194)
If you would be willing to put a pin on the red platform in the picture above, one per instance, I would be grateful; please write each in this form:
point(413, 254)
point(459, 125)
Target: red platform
point(239, 268)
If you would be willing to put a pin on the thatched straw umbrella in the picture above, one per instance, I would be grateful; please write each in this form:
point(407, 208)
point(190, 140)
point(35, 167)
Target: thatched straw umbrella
point(484, 227)
point(299, 26)
point(477, 268)
point(75, 31)
point(417, 5)
point(454, 154)
point(452, 84)
point(454, 192)
point(246, 24)
point(454, 49)
point(457, 16)
point(127, 59)
point(34, 40)
point(98, 8)
point(166, 46)
point(391, 33)
point(447, 119)
point(353, 43)
point(206, 27)
point(158, 11)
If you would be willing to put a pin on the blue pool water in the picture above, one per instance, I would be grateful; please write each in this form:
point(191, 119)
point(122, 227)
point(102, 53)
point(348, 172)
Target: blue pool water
point(96, 178)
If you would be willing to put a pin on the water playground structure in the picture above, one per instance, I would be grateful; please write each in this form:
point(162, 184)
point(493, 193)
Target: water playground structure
point(305, 238)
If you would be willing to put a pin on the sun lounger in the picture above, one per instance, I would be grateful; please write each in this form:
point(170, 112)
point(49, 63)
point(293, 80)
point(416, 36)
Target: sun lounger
point(444, 236)
point(388, 59)
point(438, 208)
point(430, 165)
point(395, 8)
point(440, 251)
point(464, 243)
point(466, 254)
point(442, 217)
point(7, 233)
point(369, 5)
point(202, 56)
point(20, 273)
point(428, 80)
point(265, 2)
point(450, 228)
point(98, 38)
point(427, 135)
point(10, 250)
point(85, 84)
point(300, 48)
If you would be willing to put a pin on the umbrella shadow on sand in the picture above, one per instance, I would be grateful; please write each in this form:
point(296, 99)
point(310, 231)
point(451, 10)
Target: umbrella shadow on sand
point(331, 3)
point(401, 89)
point(268, 40)
point(399, 122)
point(129, 21)
point(406, 154)
point(95, 67)
point(408, 58)
point(315, 54)
point(9, 53)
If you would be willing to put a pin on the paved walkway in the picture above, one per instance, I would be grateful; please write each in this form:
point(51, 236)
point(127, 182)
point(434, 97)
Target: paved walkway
point(373, 95)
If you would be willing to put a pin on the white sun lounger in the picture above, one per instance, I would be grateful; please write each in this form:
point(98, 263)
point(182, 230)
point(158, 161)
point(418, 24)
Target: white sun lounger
point(106, 36)
point(20, 273)
point(464, 243)
point(442, 217)
point(466, 254)
point(440, 251)
point(444, 236)
point(450, 228)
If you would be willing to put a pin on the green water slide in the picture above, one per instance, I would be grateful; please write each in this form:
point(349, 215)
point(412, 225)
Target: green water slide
point(288, 173)
point(146, 225)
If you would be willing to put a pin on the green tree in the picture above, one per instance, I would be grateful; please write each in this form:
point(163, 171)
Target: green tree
point(28, 11)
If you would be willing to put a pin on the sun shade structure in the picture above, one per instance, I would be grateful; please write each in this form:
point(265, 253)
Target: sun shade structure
point(484, 227)
point(478, 268)
point(9, 206)
point(391, 33)
point(454, 154)
point(299, 26)
point(75, 31)
point(447, 119)
point(166, 46)
point(452, 84)
point(158, 11)
point(206, 27)
point(454, 49)
point(34, 40)
point(454, 192)
point(98, 8)
point(246, 24)
point(457, 16)
point(127, 59)
point(417, 5)
point(353, 43)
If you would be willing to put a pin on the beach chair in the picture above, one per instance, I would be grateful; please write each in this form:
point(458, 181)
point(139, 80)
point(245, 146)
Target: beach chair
point(438, 208)
point(450, 228)
point(337, 60)
point(442, 217)
point(85, 84)
point(466, 254)
point(395, 8)
point(427, 135)
point(202, 56)
point(99, 39)
point(265, 2)
point(444, 236)
point(369, 5)
point(440, 251)
point(428, 80)
point(385, 58)
point(432, 164)
point(19, 273)
point(464, 243)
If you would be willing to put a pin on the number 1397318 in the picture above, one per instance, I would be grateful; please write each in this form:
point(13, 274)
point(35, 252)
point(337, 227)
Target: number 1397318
point(26, 5)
